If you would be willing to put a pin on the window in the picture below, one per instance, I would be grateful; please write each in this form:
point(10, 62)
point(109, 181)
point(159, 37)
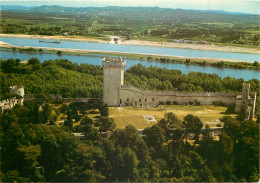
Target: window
point(127, 99)
point(153, 99)
point(145, 100)
point(140, 100)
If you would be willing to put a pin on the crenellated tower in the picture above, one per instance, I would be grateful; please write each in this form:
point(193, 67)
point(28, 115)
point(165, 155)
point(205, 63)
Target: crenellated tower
point(113, 69)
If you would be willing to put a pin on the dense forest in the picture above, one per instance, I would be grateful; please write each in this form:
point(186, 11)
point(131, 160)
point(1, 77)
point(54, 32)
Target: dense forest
point(143, 23)
point(34, 149)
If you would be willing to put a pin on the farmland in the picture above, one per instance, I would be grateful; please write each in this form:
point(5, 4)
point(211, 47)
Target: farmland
point(135, 23)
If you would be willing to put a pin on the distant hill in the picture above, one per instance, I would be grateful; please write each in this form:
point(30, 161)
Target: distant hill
point(14, 7)
point(69, 10)
point(166, 15)
point(223, 12)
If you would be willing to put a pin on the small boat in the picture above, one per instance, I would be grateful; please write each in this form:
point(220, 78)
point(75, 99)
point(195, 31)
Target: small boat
point(56, 42)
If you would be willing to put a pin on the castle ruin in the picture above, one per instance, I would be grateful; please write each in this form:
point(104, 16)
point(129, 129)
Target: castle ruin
point(13, 101)
point(115, 93)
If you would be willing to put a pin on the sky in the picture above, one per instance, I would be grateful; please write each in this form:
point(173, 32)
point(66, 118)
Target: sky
point(246, 6)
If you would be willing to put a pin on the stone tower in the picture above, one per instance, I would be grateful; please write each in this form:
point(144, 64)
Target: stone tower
point(245, 94)
point(113, 69)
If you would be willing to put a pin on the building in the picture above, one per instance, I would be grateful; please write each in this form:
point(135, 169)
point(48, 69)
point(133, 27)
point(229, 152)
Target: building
point(115, 93)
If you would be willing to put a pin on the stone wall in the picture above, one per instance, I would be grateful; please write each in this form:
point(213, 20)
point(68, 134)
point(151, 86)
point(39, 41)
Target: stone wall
point(131, 96)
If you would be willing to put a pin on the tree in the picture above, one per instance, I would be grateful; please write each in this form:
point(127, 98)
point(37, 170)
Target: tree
point(103, 109)
point(130, 138)
point(105, 124)
point(90, 132)
point(206, 146)
point(127, 137)
point(81, 167)
point(231, 127)
point(192, 124)
point(246, 152)
point(14, 176)
point(68, 123)
point(29, 160)
point(35, 63)
point(36, 114)
point(10, 65)
point(172, 126)
point(255, 64)
point(125, 165)
point(86, 120)
point(46, 113)
point(154, 138)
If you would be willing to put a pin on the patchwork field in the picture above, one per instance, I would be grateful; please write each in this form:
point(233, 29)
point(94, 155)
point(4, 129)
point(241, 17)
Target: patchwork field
point(136, 116)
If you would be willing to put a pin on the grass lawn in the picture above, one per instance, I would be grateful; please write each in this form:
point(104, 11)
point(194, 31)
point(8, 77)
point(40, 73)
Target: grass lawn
point(133, 116)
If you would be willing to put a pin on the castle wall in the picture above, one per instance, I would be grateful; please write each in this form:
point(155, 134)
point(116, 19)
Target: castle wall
point(238, 104)
point(115, 93)
point(142, 98)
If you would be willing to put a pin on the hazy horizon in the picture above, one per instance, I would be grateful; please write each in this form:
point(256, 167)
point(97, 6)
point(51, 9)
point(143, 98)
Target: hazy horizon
point(251, 7)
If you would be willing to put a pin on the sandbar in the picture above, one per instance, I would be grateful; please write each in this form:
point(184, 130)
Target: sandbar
point(83, 51)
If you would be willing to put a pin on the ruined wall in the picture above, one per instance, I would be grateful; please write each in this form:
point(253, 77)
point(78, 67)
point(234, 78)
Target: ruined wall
point(10, 103)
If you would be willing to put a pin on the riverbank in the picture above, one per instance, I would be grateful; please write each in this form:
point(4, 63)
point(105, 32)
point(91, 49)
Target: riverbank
point(142, 43)
point(213, 62)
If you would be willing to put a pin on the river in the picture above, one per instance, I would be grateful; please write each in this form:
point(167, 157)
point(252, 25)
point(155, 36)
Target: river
point(96, 60)
point(133, 49)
